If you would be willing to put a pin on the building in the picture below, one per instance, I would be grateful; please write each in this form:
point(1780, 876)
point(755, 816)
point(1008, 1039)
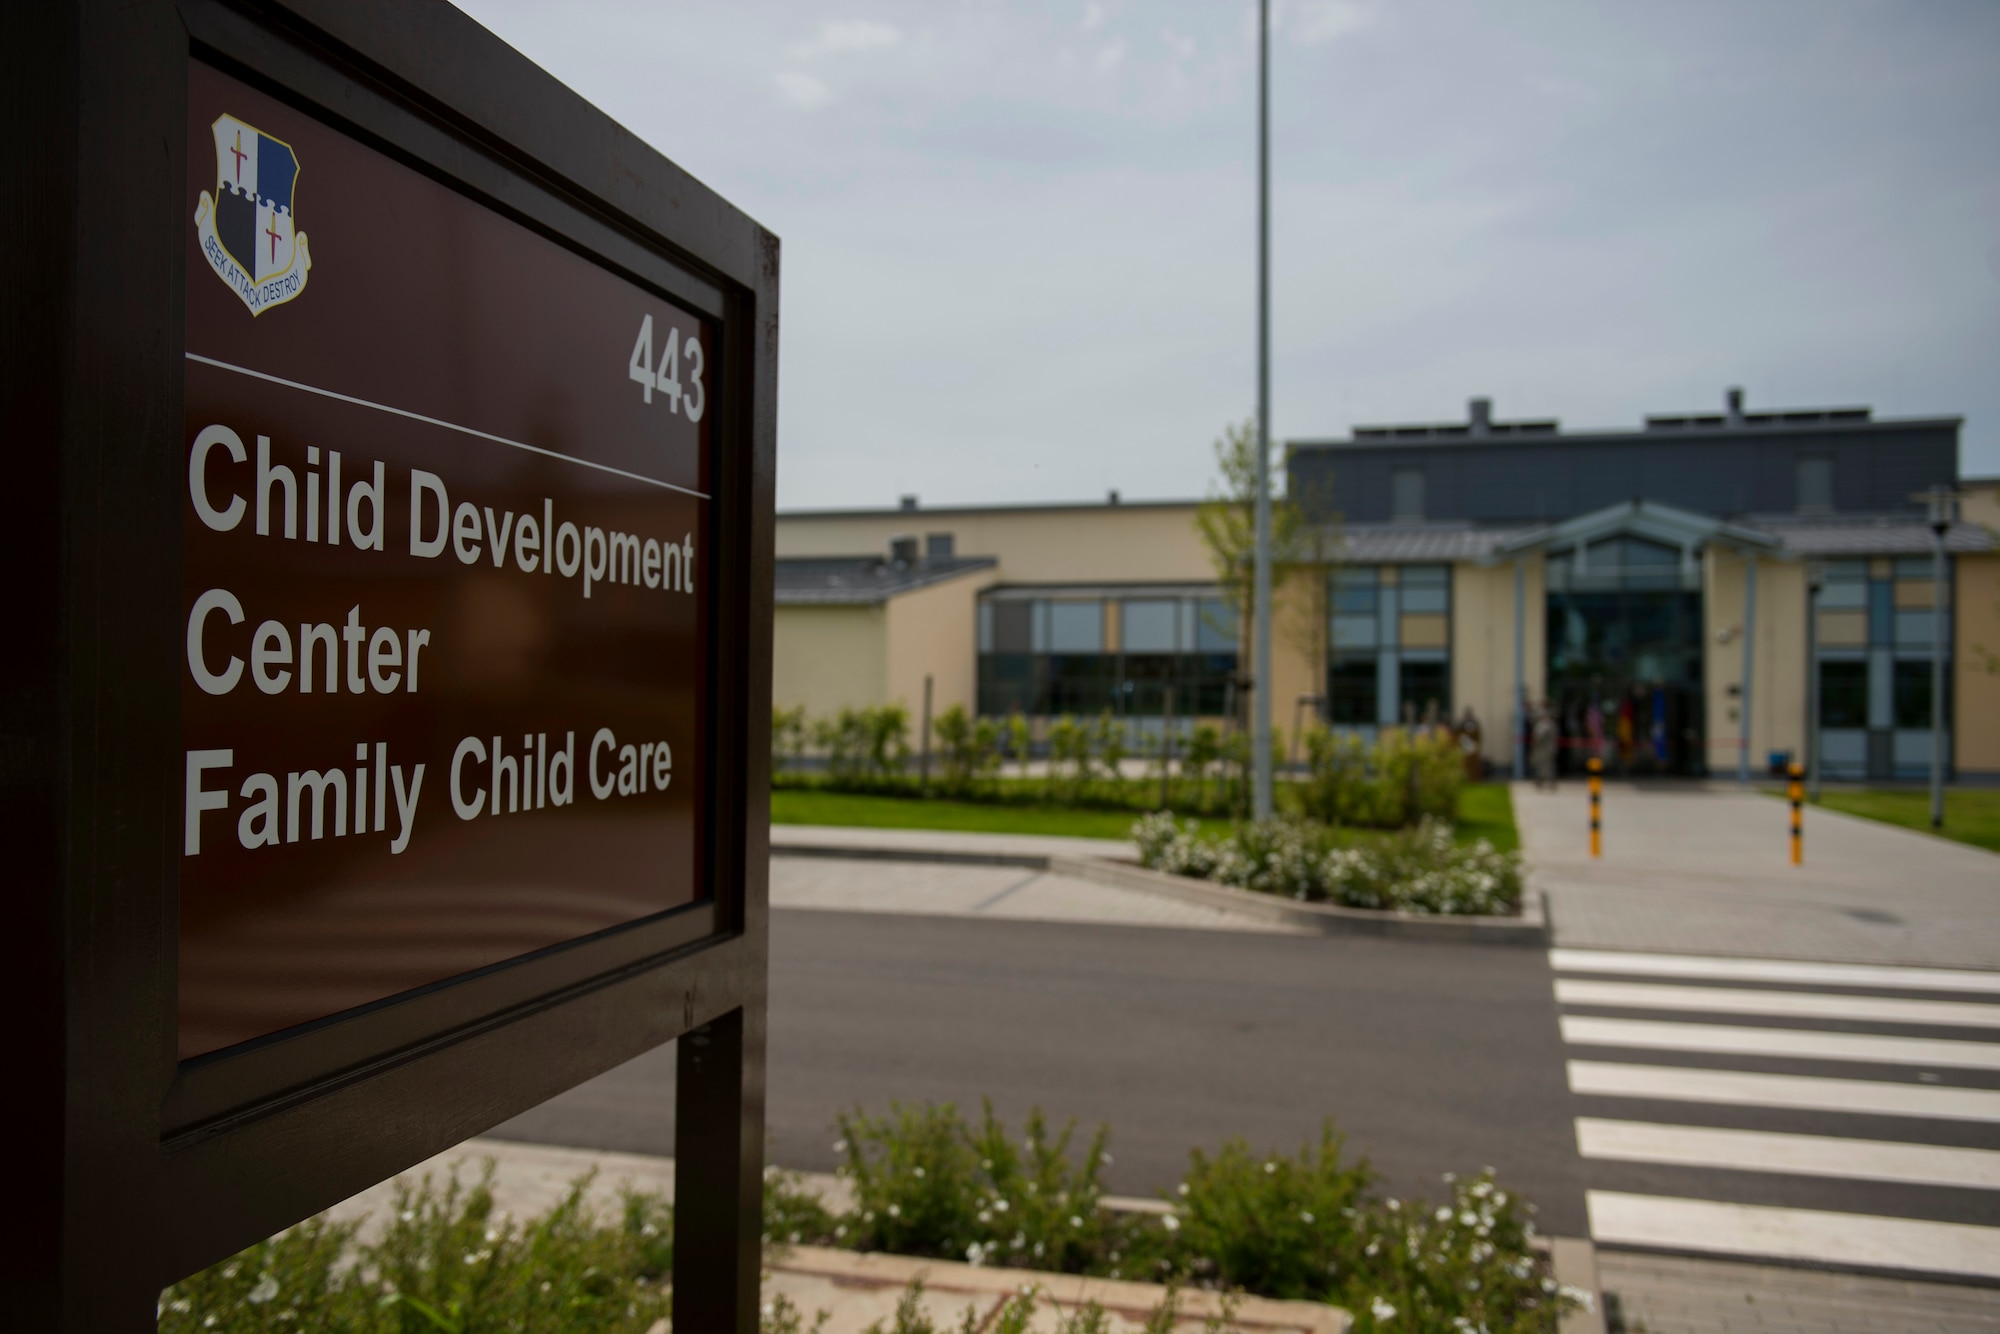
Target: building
point(1652, 585)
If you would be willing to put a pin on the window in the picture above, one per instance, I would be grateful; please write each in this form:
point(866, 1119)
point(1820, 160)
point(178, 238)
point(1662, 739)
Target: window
point(1351, 690)
point(1354, 591)
point(1426, 588)
point(1012, 630)
point(1913, 697)
point(1406, 495)
point(1215, 627)
point(1425, 688)
point(1076, 627)
point(1047, 656)
point(1843, 694)
point(1148, 626)
point(1846, 586)
point(1815, 484)
point(938, 546)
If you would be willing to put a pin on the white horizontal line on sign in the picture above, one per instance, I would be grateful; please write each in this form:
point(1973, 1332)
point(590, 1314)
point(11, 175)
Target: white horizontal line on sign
point(1743, 1088)
point(1793, 1234)
point(439, 422)
point(1790, 1042)
point(1773, 970)
point(1801, 1155)
point(1797, 1004)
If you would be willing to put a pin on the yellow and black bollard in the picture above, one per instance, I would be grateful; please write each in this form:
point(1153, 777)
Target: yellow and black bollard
point(1596, 807)
point(1798, 794)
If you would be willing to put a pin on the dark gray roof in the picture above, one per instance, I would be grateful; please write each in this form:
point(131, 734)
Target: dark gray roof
point(1797, 536)
point(1849, 535)
point(861, 580)
point(1416, 544)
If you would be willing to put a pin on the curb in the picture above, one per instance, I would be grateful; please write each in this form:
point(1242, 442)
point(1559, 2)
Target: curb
point(950, 856)
point(1531, 928)
point(949, 1283)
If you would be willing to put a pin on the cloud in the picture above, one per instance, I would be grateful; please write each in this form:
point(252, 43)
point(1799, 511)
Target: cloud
point(1093, 16)
point(1181, 46)
point(1317, 21)
point(1112, 54)
point(848, 37)
point(801, 89)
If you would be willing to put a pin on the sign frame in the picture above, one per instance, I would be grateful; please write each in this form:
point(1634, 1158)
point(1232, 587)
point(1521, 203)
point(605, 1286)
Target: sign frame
point(141, 1168)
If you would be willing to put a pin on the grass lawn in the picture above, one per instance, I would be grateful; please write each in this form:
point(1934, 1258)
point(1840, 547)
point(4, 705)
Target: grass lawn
point(1484, 811)
point(1971, 815)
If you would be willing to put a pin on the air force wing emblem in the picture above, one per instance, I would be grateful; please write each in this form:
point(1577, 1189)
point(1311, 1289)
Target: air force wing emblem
point(248, 228)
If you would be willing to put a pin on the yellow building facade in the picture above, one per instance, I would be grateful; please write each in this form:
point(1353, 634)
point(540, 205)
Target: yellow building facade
point(1665, 639)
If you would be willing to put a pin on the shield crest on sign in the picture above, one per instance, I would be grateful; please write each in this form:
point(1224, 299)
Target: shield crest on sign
point(249, 227)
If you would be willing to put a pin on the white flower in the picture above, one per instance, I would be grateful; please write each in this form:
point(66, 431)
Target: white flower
point(1075, 1221)
point(266, 1289)
point(1170, 1223)
point(895, 1211)
point(1380, 1309)
point(1305, 1216)
point(918, 1170)
point(1583, 1297)
point(1270, 1167)
point(1444, 1215)
point(1184, 1189)
point(1000, 1206)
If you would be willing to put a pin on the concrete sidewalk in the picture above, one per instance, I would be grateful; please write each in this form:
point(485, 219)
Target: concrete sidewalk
point(945, 844)
point(1705, 870)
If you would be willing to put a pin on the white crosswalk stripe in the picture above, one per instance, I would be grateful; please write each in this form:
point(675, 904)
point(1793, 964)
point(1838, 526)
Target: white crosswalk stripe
point(1930, 1194)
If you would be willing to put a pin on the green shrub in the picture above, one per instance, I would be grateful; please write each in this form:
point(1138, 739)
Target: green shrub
point(1069, 759)
point(444, 1262)
point(1466, 1264)
point(1295, 1227)
point(1276, 1226)
point(791, 735)
point(968, 750)
point(1420, 870)
point(867, 747)
point(1402, 778)
point(927, 1183)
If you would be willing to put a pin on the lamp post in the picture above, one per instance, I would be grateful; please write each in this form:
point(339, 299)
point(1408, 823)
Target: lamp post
point(1260, 693)
point(1815, 580)
point(1939, 500)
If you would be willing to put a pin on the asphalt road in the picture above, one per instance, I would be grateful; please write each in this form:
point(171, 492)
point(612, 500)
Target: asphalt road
point(1430, 1057)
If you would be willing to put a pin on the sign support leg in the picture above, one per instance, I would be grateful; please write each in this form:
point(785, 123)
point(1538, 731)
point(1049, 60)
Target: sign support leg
point(719, 1176)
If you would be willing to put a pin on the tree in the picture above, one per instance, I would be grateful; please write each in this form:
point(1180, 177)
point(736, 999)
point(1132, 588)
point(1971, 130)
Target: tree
point(1227, 522)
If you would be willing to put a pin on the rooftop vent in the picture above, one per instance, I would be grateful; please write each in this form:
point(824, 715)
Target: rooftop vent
point(903, 552)
point(1481, 415)
point(909, 502)
point(1733, 405)
point(1111, 497)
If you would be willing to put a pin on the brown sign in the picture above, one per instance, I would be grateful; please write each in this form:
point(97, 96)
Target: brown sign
point(446, 523)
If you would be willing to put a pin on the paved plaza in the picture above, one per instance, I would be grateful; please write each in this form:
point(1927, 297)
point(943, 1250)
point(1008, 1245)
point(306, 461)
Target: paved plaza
point(1706, 870)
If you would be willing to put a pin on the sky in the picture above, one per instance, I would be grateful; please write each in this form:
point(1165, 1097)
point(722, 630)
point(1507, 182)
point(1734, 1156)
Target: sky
point(1019, 239)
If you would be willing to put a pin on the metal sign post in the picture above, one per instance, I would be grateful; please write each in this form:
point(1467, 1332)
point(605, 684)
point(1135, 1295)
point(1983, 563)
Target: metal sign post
point(389, 684)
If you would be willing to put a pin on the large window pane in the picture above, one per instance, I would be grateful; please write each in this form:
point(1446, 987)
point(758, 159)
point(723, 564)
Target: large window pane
point(1425, 686)
point(1406, 495)
point(1215, 628)
point(1148, 626)
point(1354, 591)
point(1011, 629)
point(1076, 627)
point(1354, 631)
point(1351, 690)
point(1843, 694)
point(1913, 696)
point(1426, 588)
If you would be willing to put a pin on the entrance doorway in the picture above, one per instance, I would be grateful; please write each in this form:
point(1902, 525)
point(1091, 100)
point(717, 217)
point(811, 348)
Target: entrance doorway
point(1625, 657)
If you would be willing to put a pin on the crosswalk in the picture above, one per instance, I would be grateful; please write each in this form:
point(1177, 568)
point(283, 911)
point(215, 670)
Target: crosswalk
point(1829, 1114)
